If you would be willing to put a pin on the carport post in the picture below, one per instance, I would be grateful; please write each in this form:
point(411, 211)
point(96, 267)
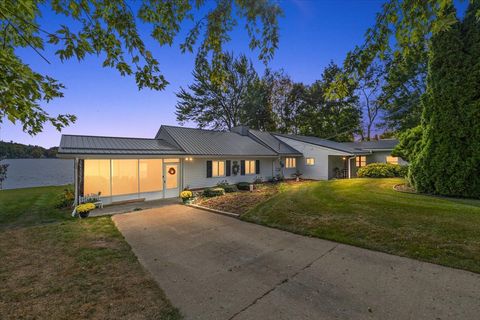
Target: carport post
point(75, 181)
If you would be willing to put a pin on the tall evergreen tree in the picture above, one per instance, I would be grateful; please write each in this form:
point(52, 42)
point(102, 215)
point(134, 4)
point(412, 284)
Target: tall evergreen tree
point(471, 90)
point(439, 167)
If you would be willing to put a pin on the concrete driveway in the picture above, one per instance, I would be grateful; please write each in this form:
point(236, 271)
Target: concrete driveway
point(216, 267)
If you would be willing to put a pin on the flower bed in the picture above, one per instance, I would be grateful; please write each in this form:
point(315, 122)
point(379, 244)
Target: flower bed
point(241, 201)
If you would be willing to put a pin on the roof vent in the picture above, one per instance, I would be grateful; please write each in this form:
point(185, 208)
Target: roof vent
point(241, 130)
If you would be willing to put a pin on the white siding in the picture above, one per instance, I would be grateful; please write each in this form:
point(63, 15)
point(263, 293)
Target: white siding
point(381, 156)
point(195, 172)
point(319, 171)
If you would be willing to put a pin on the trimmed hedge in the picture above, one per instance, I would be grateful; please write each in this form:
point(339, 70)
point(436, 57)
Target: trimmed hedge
point(243, 185)
point(382, 170)
point(213, 192)
point(229, 188)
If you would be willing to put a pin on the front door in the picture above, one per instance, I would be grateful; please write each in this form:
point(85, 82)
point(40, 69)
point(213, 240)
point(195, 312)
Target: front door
point(171, 180)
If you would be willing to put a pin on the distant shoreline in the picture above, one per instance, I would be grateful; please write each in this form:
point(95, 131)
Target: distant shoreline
point(37, 172)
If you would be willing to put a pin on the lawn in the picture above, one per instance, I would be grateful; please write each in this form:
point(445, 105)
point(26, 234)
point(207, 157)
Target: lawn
point(369, 213)
point(56, 267)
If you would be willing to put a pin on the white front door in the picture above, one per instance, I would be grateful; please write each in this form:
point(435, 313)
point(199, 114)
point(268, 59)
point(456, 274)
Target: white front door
point(171, 181)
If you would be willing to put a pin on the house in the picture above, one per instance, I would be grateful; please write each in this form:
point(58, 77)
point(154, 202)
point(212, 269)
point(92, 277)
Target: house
point(123, 169)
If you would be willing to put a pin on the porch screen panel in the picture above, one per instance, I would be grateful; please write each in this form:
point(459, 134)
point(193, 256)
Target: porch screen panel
point(124, 176)
point(151, 175)
point(97, 177)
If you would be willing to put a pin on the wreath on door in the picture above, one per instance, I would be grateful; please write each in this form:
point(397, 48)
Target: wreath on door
point(172, 171)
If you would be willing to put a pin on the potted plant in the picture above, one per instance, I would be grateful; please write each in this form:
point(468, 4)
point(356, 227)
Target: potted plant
point(297, 175)
point(186, 196)
point(84, 209)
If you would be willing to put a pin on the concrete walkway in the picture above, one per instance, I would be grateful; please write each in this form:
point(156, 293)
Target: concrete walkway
point(216, 267)
point(133, 206)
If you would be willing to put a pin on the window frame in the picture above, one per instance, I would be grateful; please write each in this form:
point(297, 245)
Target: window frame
point(250, 167)
point(391, 157)
point(290, 163)
point(310, 164)
point(216, 174)
point(360, 161)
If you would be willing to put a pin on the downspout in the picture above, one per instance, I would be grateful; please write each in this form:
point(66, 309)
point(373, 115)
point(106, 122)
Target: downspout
point(75, 186)
point(350, 167)
point(75, 181)
point(182, 181)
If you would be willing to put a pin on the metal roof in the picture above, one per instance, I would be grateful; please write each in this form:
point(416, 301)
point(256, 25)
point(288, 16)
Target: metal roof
point(76, 144)
point(172, 140)
point(385, 144)
point(273, 143)
point(211, 142)
point(323, 143)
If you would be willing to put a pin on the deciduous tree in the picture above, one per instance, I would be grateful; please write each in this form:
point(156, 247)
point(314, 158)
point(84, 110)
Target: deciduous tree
point(218, 105)
point(109, 29)
point(331, 111)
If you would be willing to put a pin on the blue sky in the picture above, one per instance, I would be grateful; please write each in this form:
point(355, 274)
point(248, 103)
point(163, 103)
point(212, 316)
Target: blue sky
point(312, 33)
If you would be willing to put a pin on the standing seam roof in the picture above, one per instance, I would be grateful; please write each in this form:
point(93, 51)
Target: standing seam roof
point(210, 142)
point(272, 142)
point(72, 144)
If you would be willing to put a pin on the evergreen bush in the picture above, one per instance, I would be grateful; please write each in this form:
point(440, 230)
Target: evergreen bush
point(448, 160)
point(243, 185)
point(230, 188)
point(213, 192)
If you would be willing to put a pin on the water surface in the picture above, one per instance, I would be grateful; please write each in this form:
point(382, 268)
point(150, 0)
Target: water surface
point(25, 173)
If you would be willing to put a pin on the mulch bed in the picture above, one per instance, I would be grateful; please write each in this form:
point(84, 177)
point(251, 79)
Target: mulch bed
point(404, 188)
point(241, 201)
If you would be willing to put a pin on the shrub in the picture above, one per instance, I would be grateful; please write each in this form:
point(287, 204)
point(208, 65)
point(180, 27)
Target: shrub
point(230, 188)
point(86, 207)
point(187, 194)
point(402, 171)
point(382, 170)
point(213, 192)
point(243, 185)
point(258, 180)
point(65, 199)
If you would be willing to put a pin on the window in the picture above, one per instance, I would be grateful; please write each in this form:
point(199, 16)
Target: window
point(218, 168)
point(361, 161)
point(249, 166)
point(97, 177)
point(290, 163)
point(150, 171)
point(310, 161)
point(393, 160)
point(124, 176)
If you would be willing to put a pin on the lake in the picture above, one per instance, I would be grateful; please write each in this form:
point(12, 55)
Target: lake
point(24, 173)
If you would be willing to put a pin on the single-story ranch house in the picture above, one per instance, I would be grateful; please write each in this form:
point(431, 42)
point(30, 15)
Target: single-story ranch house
point(123, 169)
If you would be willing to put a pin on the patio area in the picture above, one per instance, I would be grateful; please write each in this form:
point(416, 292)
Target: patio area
point(133, 206)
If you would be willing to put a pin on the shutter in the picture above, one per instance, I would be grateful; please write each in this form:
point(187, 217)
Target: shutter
point(257, 166)
point(228, 168)
point(209, 168)
point(242, 167)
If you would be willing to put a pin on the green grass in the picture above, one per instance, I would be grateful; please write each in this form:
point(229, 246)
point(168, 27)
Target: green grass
point(30, 206)
point(57, 267)
point(369, 213)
